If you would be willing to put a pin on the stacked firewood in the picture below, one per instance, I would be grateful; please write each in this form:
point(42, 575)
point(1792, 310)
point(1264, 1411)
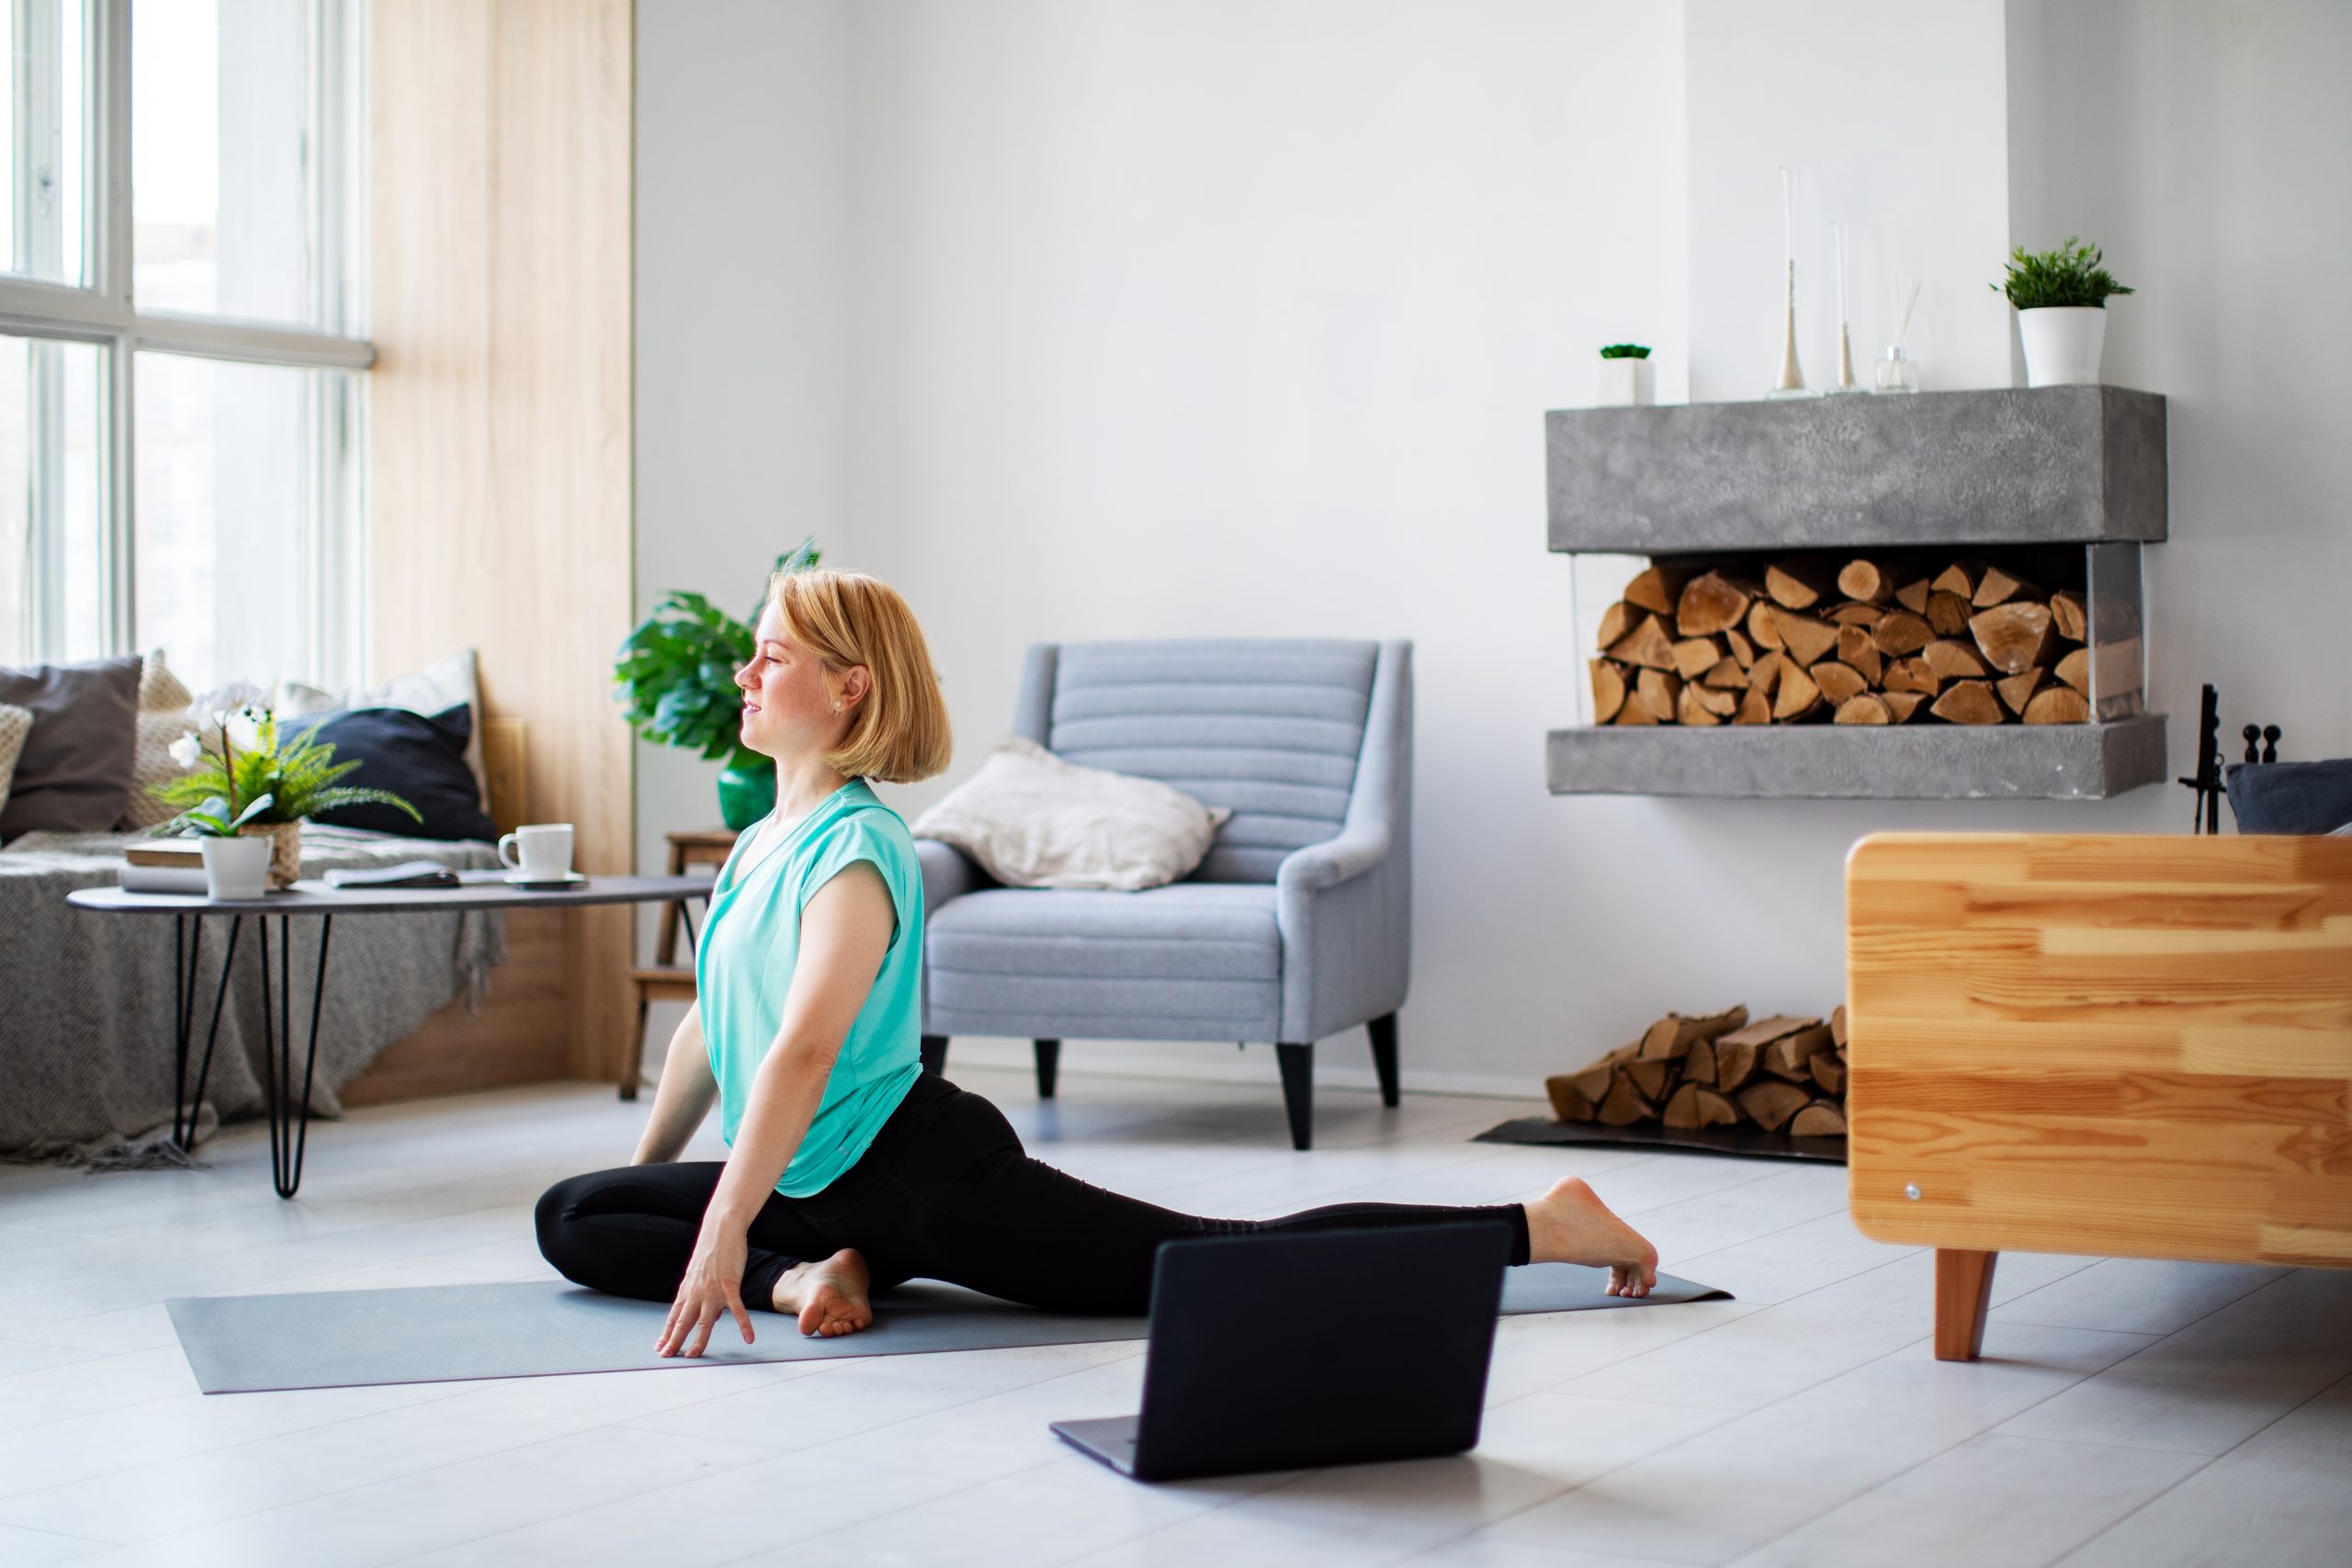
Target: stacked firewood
point(1860, 641)
point(1782, 1073)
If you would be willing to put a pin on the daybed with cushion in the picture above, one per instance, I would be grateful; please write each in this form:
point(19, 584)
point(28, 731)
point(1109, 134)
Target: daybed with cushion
point(1298, 923)
point(86, 1003)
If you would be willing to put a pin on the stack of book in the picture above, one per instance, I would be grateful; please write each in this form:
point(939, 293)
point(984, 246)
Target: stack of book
point(163, 865)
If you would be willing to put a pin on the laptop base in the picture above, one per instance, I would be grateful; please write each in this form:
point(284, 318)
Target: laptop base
point(1111, 1439)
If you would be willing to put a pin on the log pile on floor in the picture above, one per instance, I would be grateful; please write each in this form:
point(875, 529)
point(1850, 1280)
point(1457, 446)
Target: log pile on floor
point(1782, 1074)
point(1855, 642)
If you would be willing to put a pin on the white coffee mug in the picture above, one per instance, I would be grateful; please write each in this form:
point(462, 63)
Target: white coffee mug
point(542, 850)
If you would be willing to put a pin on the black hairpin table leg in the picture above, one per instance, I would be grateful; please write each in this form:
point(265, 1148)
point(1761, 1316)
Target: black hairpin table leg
point(289, 1113)
point(183, 991)
point(185, 1105)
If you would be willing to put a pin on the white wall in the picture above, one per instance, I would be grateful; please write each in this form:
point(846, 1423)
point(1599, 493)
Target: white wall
point(1240, 320)
point(1173, 318)
point(2208, 147)
point(742, 171)
point(1890, 118)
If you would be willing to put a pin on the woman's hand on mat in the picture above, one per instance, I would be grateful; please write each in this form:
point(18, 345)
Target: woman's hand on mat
point(712, 1288)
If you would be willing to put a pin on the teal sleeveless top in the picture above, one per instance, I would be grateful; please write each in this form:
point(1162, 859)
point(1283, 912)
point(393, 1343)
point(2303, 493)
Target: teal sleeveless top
point(743, 971)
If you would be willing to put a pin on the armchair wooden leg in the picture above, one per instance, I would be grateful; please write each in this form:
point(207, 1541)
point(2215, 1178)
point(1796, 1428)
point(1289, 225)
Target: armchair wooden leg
point(1964, 1292)
point(1049, 1056)
point(1383, 1031)
point(1297, 1064)
point(935, 1054)
point(633, 1054)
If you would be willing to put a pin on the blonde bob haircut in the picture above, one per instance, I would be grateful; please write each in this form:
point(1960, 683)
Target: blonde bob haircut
point(900, 733)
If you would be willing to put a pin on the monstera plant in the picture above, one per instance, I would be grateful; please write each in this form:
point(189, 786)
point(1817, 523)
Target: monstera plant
point(676, 676)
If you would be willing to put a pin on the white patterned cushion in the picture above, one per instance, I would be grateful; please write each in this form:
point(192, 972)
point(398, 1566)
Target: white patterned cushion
point(1033, 820)
point(16, 724)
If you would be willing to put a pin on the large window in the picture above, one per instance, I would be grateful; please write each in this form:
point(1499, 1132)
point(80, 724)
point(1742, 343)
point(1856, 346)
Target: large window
point(181, 384)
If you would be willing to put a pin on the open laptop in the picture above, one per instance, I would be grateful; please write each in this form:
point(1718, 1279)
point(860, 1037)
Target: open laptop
point(1281, 1352)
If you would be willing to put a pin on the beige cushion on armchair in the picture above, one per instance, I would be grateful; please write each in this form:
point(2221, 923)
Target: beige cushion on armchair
point(1033, 820)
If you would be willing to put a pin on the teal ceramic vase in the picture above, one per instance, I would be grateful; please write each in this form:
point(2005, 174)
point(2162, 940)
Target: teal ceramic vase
point(746, 793)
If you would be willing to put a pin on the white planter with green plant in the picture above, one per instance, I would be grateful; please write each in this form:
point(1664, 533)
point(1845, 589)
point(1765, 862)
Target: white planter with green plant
point(249, 786)
point(2060, 298)
point(1627, 380)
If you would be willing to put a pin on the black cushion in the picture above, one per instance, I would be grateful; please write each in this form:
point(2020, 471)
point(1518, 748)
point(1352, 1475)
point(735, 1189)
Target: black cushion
point(75, 773)
point(2291, 797)
point(421, 760)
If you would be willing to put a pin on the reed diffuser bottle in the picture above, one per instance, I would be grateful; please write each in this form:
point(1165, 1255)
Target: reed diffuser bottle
point(1896, 373)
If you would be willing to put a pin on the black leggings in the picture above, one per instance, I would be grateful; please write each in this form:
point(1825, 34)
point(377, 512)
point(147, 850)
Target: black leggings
point(945, 1193)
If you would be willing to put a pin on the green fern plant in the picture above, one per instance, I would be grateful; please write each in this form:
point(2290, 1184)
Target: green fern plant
point(2071, 275)
point(676, 671)
point(267, 779)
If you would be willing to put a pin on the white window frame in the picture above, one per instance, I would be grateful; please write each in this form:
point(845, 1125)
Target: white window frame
point(103, 311)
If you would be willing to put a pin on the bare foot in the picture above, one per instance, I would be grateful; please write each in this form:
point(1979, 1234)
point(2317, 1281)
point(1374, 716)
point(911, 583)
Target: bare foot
point(829, 1298)
point(1571, 1225)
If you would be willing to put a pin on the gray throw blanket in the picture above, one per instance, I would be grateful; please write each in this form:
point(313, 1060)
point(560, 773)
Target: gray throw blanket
point(86, 998)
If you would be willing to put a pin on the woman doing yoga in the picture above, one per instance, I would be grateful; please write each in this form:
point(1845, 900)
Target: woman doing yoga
point(849, 1168)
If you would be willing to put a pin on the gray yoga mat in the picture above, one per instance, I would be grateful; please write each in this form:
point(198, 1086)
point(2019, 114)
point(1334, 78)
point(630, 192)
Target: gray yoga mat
point(445, 1333)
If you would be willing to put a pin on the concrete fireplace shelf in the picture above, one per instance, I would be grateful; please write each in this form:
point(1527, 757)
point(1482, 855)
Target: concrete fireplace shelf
point(2049, 465)
point(1912, 762)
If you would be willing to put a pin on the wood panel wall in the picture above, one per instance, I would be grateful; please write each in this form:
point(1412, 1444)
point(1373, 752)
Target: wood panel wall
point(499, 461)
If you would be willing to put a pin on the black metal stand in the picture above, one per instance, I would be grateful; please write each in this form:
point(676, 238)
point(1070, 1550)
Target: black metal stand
point(290, 1114)
point(2205, 818)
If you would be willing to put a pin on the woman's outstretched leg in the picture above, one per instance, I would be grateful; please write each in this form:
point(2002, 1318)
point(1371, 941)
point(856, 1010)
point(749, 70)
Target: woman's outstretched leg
point(962, 1201)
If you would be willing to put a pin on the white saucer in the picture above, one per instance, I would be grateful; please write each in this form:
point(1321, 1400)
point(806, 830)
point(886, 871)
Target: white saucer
point(528, 879)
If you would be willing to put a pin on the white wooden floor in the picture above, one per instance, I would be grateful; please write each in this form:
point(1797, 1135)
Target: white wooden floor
point(2128, 1413)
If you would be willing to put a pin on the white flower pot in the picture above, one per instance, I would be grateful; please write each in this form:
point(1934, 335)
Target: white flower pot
point(236, 868)
point(1625, 384)
point(2062, 343)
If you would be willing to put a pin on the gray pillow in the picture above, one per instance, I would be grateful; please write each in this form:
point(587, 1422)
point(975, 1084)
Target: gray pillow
point(74, 772)
point(2288, 797)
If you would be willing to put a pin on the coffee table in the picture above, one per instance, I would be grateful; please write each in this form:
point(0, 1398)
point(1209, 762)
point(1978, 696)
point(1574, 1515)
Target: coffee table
point(290, 1114)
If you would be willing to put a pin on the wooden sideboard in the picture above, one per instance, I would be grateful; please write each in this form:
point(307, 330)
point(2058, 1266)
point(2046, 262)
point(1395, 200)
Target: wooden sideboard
point(2139, 1046)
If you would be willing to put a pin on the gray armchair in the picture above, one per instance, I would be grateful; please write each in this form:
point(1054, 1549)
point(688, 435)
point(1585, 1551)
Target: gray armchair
point(1298, 923)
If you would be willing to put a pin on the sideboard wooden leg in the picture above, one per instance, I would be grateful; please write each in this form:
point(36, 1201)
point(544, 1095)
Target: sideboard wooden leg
point(1963, 1292)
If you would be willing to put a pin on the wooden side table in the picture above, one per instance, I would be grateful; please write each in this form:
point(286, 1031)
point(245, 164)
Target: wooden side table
point(667, 980)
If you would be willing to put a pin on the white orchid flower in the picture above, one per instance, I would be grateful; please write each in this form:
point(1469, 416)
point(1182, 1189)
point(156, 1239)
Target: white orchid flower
point(244, 730)
point(234, 696)
point(186, 750)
